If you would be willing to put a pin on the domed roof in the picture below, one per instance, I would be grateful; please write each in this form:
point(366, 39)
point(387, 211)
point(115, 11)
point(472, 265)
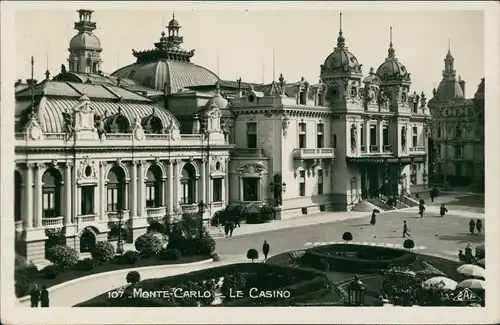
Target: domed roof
point(449, 89)
point(85, 41)
point(174, 75)
point(372, 78)
point(391, 69)
point(217, 101)
point(173, 23)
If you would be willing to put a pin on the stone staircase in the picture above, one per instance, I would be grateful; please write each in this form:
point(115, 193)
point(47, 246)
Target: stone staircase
point(365, 206)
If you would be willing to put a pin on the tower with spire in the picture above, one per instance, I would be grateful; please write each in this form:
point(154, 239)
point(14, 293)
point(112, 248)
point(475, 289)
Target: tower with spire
point(341, 74)
point(85, 48)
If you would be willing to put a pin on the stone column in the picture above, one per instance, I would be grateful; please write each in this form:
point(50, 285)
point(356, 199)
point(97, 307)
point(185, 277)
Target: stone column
point(141, 192)
point(39, 170)
point(367, 135)
point(67, 194)
point(381, 136)
point(78, 202)
point(170, 182)
point(225, 190)
point(74, 192)
point(176, 182)
point(133, 189)
point(240, 187)
point(28, 197)
point(358, 137)
point(164, 191)
point(103, 202)
point(203, 176)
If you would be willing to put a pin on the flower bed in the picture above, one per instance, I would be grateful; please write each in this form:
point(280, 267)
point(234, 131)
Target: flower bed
point(356, 258)
point(302, 285)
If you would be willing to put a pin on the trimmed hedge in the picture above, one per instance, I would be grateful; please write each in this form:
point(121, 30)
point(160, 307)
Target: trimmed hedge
point(391, 257)
point(87, 264)
point(103, 251)
point(129, 257)
point(63, 256)
point(148, 244)
point(170, 254)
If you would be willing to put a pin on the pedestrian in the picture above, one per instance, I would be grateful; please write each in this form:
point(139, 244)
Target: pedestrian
point(421, 209)
point(468, 253)
point(479, 225)
point(35, 296)
point(265, 249)
point(442, 210)
point(433, 194)
point(226, 228)
point(472, 226)
point(461, 256)
point(44, 296)
point(405, 229)
point(237, 221)
point(373, 221)
point(421, 201)
point(231, 228)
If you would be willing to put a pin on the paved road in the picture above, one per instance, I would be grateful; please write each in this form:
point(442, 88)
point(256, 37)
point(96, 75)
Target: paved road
point(440, 236)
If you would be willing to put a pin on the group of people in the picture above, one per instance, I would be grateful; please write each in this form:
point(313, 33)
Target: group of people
point(228, 227)
point(468, 257)
point(475, 225)
point(421, 208)
point(39, 297)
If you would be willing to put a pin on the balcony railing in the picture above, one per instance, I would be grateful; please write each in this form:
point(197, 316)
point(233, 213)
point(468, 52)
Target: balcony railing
point(189, 208)
point(87, 218)
point(113, 215)
point(387, 148)
point(318, 153)
point(374, 148)
point(417, 149)
point(19, 225)
point(158, 212)
point(52, 222)
point(363, 148)
point(217, 204)
point(248, 152)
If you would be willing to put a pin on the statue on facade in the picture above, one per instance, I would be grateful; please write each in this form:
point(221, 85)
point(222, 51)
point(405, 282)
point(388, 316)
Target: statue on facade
point(383, 100)
point(69, 124)
point(403, 137)
point(99, 125)
point(354, 135)
point(423, 100)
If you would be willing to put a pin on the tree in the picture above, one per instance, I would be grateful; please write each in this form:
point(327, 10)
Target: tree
point(409, 244)
point(133, 277)
point(252, 254)
point(347, 236)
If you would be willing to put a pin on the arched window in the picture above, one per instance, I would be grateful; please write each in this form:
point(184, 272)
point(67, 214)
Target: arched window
point(188, 183)
point(116, 189)
point(153, 187)
point(18, 185)
point(51, 189)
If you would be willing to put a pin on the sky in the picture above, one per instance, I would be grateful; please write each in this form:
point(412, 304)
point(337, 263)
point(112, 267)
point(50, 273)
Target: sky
point(239, 43)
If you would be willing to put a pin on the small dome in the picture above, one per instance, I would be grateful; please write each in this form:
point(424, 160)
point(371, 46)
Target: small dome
point(217, 101)
point(342, 60)
point(392, 70)
point(85, 41)
point(173, 23)
point(449, 89)
point(372, 78)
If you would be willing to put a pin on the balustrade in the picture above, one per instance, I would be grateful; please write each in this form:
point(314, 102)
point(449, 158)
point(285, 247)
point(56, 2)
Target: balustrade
point(52, 222)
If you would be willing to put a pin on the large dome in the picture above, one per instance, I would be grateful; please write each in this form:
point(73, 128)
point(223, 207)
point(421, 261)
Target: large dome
point(174, 75)
point(449, 89)
point(341, 60)
point(85, 41)
point(392, 69)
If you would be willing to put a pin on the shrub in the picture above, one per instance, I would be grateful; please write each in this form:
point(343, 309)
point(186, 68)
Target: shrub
point(87, 264)
point(20, 262)
point(324, 265)
point(23, 284)
point(133, 277)
point(206, 245)
point(252, 254)
point(347, 236)
point(51, 271)
point(215, 257)
point(130, 257)
point(408, 244)
point(148, 245)
point(170, 254)
point(63, 256)
point(103, 251)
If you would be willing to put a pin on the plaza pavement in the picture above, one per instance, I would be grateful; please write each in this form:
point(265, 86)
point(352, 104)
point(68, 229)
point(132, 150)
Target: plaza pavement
point(439, 236)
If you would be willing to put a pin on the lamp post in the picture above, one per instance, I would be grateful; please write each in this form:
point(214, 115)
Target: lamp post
point(119, 245)
point(277, 187)
point(355, 292)
point(201, 207)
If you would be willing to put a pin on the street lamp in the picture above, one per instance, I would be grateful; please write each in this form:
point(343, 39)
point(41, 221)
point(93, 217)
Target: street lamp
point(277, 187)
point(119, 245)
point(201, 207)
point(355, 292)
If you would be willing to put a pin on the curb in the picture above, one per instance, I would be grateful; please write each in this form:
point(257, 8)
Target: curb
point(97, 275)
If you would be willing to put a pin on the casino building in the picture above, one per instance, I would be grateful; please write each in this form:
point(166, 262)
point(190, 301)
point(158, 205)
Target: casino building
point(97, 152)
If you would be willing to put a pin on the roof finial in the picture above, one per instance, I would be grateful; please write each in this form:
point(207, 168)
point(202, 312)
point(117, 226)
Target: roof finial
point(340, 39)
point(340, 30)
point(391, 50)
point(449, 45)
point(390, 44)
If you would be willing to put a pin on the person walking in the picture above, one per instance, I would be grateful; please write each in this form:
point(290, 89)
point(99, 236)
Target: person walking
point(231, 228)
point(421, 209)
point(468, 253)
point(35, 296)
point(421, 201)
point(226, 228)
point(373, 221)
point(479, 225)
point(461, 256)
point(442, 210)
point(44, 296)
point(432, 195)
point(472, 226)
point(265, 249)
point(405, 229)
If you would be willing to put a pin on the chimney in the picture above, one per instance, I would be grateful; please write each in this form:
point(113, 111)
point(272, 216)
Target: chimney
point(462, 85)
point(31, 82)
point(19, 82)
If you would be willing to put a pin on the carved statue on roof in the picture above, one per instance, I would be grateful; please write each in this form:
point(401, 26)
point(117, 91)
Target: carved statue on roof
point(423, 100)
point(403, 137)
point(69, 124)
point(354, 136)
point(99, 125)
point(384, 100)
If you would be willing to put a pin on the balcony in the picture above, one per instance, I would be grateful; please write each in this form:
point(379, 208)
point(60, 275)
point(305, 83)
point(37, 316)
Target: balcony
point(87, 218)
point(189, 208)
point(156, 214)
point(19, 225)
point(374, 148)
point(217, 204)
point(419, 150)
point(387, 148)
point(52, 222)
point(318, 153)
point(363, 149)
point(113, 215)
point(248, 152)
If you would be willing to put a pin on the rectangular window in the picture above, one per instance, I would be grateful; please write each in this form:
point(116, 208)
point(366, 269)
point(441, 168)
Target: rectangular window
point(188, 188)
point(252, 135)
point(320, 182)
point(362, 131)
point(373, 135)
point(438, 132)
point(250, 189)
point(334, 140)
point(302, 183)
point(49, 210)
point(458, 169)
point(151, 201)
point(458, 131)
point(87, 200)
point(320, 139)
point(438, 150)
point(385, 135)
point(112, 199)
point(217, 190)
point(415, 137)
point(458, 151)
point(302, 135)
